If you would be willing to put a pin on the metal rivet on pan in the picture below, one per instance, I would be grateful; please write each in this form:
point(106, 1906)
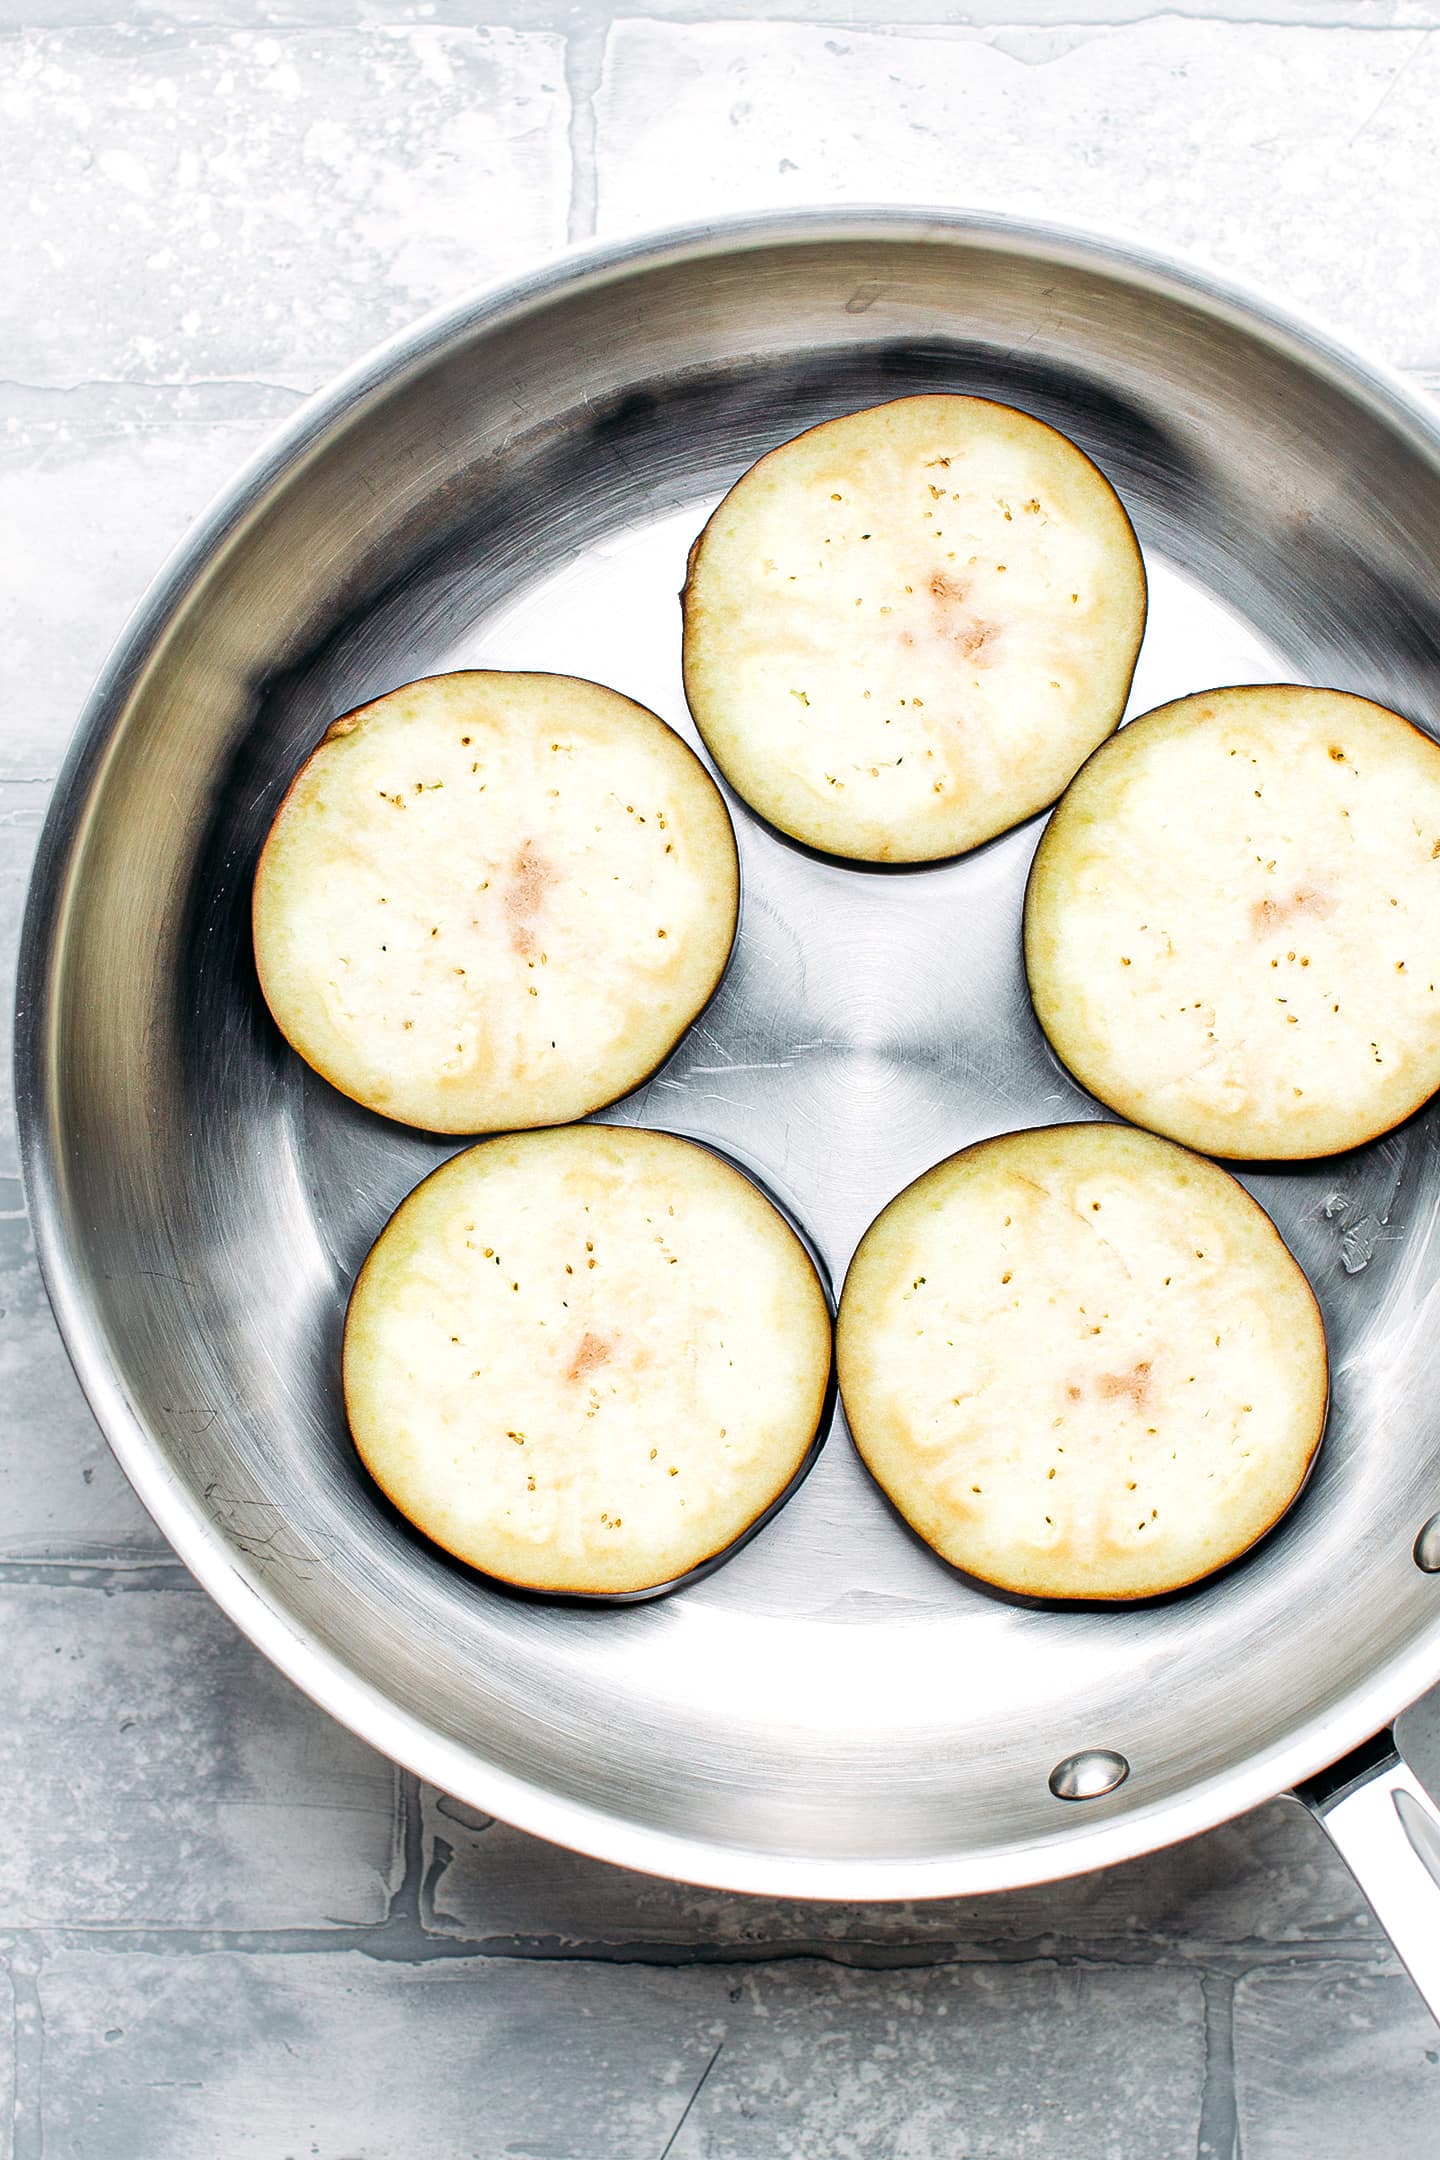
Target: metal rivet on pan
point(1093, 1771)
point(1427, 1546)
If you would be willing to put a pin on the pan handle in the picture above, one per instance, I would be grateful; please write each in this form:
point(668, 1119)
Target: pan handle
point(1386, 1829)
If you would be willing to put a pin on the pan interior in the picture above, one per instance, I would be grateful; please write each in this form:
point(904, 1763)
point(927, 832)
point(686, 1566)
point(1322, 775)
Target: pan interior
point(522, 493)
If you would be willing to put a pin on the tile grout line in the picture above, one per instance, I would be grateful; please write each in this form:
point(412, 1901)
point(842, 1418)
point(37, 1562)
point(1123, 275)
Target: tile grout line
point(27, 2130)
point(157, 382)
point(403, 1918)
point(1218, 2134)
point(561, 21)
point(402, 1940)
point(104, 1575)
point(586, 43)
point(1423, 373)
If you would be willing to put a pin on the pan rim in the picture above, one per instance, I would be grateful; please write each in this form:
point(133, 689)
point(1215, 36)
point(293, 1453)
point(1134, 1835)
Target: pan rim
point(1106, 1831)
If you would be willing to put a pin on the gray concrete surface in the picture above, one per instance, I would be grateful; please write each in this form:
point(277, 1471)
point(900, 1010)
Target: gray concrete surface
point(227, 1929)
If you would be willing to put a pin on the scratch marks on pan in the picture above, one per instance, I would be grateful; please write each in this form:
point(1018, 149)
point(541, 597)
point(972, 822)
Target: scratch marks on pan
point(681, 1087)
point(796, 1054)
point(1360, 1234)
point(760, 1065)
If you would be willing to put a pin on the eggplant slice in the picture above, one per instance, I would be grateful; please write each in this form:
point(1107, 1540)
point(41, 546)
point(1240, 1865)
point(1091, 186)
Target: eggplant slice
point(1082, 1363)
point(492, 901)
point(906, 629)
point(1232, 930)
point(585, 1361)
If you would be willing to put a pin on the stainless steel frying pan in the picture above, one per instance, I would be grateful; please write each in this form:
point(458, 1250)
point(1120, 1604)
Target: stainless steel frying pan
point(516, 482)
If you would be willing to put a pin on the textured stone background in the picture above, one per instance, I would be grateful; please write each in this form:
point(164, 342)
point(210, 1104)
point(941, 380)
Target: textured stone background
point(229, 1931)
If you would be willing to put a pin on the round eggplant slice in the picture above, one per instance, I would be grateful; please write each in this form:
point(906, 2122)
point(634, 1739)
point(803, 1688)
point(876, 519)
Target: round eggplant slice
point(1082, 1363)
point(587, 1360)
point(494, 900)
point(906, 629)
point(1232, 930)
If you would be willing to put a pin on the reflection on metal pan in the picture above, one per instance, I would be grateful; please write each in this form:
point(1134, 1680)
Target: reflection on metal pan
point(516, 483)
